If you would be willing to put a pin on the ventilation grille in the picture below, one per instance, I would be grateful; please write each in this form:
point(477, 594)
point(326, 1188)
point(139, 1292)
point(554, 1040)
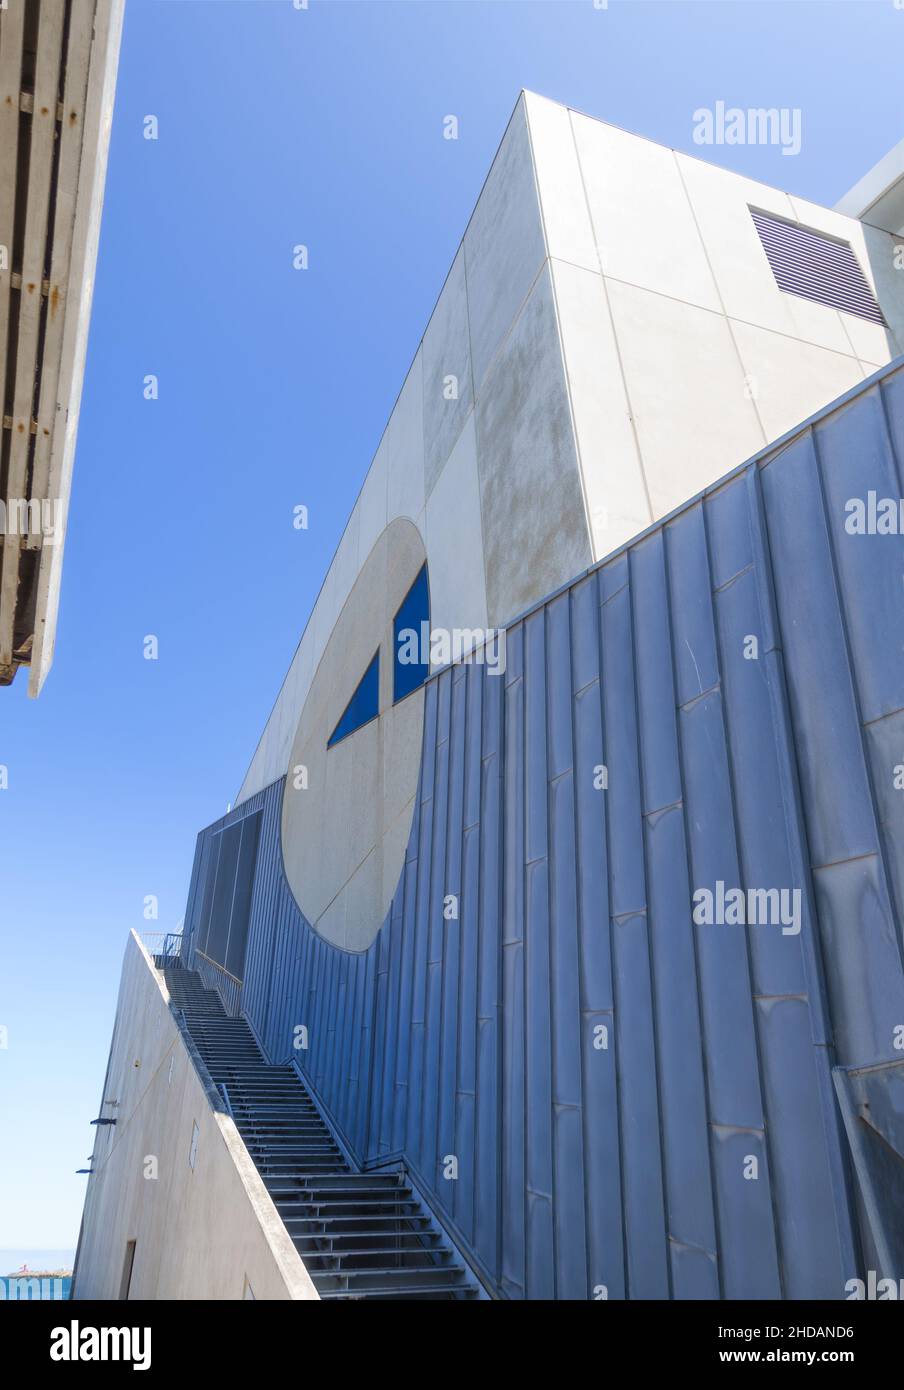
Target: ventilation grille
point(816, 267)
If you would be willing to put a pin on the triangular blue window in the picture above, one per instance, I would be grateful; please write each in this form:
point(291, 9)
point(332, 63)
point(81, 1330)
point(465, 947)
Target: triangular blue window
point(363, 706)
point(411, 632)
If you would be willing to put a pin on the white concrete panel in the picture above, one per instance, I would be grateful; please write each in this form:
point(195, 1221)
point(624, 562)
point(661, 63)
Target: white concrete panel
point(642, 219)
point(563, 202)
point(722, 203)
point(372, 503)
point(504, 245)
point(885, 255)
point(617, 502)
point(395, 845)
point(686, 384)
point(791, 379)
point(279, 730)
point(572, 416)
point(326, 610)
point(404, 441)
point(364, 889)
point(448, 388)
point(181, 1252)
point(345, 563)
point(878, 197)
point(354, 782)
point(292, 697)
point(458, 596)
point(870, 341)
point(333, 830)
point(535, 528)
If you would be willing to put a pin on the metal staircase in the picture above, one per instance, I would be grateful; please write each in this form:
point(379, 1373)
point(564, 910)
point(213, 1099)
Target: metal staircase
point(360, 1235)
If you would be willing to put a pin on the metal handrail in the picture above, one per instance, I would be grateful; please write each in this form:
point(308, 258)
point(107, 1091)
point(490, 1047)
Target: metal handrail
point(165, 947)
point(221, 968)
point(225, 1090)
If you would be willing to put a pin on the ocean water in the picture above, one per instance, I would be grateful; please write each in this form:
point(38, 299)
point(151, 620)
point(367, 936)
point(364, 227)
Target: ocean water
point(18, 1288)
point(14, 1286)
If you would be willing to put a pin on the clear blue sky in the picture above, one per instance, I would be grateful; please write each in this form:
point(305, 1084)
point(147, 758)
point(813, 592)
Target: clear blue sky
point(280, 126)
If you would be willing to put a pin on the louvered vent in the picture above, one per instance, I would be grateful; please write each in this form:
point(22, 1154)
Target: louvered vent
point(816, 267)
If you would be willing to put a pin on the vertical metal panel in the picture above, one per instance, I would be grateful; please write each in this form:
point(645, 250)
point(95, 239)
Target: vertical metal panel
point(426, 1156)
point(537, 1022)
point(601, 1158)
point(512, 1273)
point(863, 968)
point(491, 1057)
point(603, 1068)
point(465, 1021)
point(646, 1261)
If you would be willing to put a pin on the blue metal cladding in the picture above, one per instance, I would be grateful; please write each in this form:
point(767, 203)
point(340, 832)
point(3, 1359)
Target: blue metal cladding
point(604, 1070)
point(222, 925)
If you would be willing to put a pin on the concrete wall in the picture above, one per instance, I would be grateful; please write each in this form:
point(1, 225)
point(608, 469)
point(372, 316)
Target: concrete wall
point(89, 196)
point(202, 1233)
point(683, 356)
point(346, 825)
point(450, 451)
point(618, 341)
point(52, 176)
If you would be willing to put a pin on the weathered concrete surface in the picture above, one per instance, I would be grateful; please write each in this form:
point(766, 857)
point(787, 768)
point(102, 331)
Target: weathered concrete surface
point(534, 519)
point(345, 820)
point(878, 197)
point(448, 387)
point(89, 197)
point(504, 246)
point(664, 355)
point(184, 1249)
point(682, 355)
point(425, 458)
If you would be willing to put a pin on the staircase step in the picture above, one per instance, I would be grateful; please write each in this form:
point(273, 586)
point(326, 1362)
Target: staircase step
point(363, 1235)
point(411, 1291)
point(435, 1276)
point(410, 1252)
point(352, 1222)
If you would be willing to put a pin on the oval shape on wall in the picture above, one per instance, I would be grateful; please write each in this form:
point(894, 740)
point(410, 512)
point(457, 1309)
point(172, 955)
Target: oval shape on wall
point(346, 822)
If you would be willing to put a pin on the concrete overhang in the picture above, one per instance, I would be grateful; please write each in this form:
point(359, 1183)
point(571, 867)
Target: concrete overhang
point(878, 198)
point(57, 80)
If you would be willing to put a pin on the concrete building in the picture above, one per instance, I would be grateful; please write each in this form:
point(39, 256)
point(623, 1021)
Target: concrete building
point(878, 198)
point(451, 922)
point(57, 78)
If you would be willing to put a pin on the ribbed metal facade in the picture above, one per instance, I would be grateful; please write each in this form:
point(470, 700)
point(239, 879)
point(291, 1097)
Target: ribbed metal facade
point(636, 1103)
